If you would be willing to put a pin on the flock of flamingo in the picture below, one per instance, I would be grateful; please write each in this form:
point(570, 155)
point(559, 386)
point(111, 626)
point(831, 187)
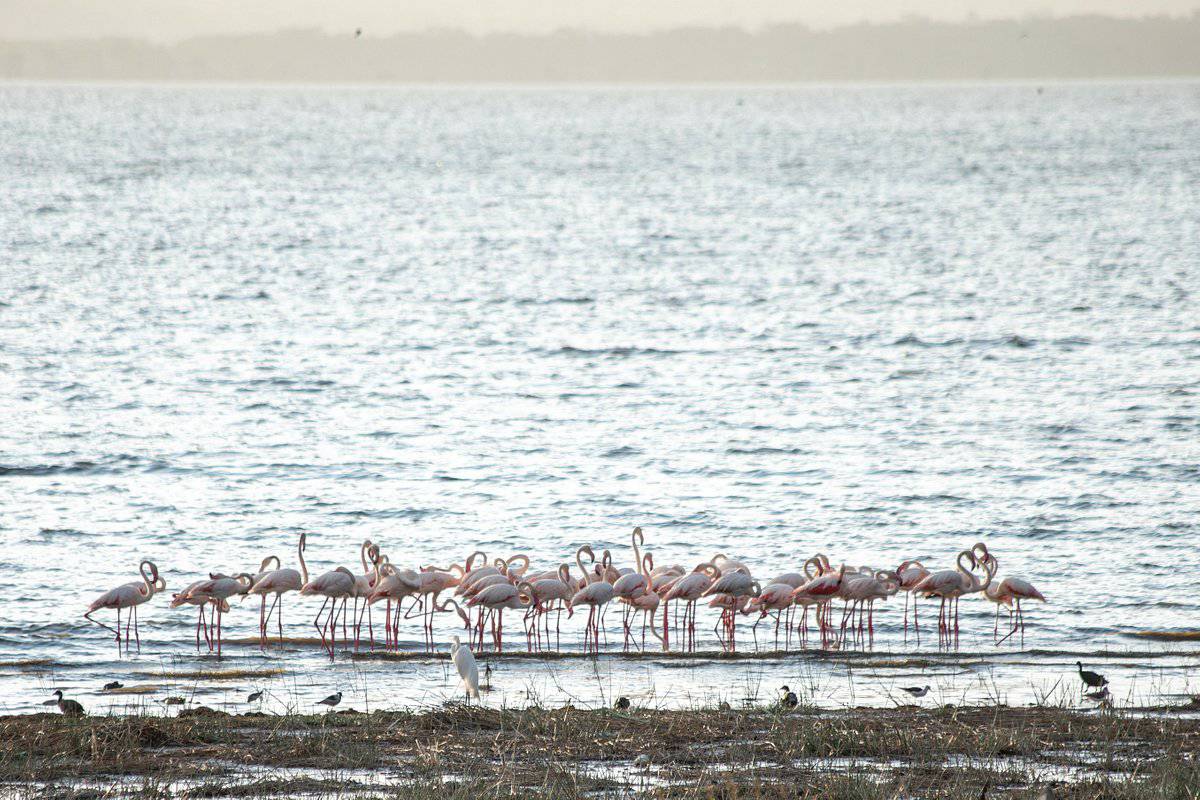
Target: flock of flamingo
point(662, 598)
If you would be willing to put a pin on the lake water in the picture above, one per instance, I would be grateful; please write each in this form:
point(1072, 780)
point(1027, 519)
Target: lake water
point(880, 323)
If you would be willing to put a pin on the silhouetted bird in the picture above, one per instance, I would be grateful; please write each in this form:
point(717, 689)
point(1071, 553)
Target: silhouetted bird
point(622, 704)
point(1093, 680)
point(108, 687)
point(788, 698)
point(254, 696)
point(357, 32)
point(69, 708)
point(915, 691)
point(331, 701)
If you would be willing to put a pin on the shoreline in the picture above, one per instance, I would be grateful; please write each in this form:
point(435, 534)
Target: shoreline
point(472, 751)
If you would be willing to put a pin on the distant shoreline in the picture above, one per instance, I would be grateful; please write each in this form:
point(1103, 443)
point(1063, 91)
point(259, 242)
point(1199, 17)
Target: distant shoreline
point(1083, 47)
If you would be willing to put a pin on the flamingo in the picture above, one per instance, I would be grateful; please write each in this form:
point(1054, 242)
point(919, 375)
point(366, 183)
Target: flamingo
point(217, 590)
point(1007, 592)
point(493, 600)
point(819, 592)
point(432, 581)
point(774, 597)
point(688, 589)
point(337, 584)
point(547, 591)
point(184, 599)
point(128, 596)
point(278, 582)
point(595, 594)
point(910, 574)
point(468, 670)
point(739, 587)
point(631, 585)
point(949, 585)
point(646, 603)
point(393, 585)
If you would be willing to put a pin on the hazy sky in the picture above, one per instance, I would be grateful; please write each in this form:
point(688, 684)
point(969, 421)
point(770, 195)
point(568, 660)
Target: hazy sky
point(168, 20)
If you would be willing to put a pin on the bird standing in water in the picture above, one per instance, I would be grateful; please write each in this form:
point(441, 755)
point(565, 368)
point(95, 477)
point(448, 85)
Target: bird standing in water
point(331, 701)
point(1091, 680)
point(788, 698)
point(468, 670)
point(254, 696)
point(69, 708)
point(915, 691)
point(108, 687)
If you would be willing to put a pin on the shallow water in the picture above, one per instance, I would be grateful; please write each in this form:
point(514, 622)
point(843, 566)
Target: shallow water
point(881, 323)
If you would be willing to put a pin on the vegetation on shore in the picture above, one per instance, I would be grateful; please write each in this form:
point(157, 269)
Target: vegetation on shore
point(472, 752)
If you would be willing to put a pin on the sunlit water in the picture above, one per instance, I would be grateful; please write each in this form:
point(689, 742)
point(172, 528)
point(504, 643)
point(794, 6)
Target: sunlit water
point(880, 323)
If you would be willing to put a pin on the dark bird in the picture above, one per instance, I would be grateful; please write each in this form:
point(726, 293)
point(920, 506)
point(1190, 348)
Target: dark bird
point(1092, 680)
point(915, 691)
point(357, 32)
point(331, 701)
point(108, 687)
point(487, 677)
point(69, 708)
point(788, 698)
point(622, 704)
point(254, 696)
point(1099, 696)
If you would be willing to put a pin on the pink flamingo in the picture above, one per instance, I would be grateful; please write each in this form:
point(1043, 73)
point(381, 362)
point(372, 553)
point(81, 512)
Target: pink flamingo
point(596, 594)
point(393, 585)
point(431, 582)
point(951, 584)
point(546, 592)
point(491, 602)
point(217, 590)
point(1007, 592)
point(775, 597)
point(128, 596)
point(278, 582)
point(910, 574)
point(819, 592)
point(335, 585)
point(739, 587)
point(184, 599)
point(688, 589)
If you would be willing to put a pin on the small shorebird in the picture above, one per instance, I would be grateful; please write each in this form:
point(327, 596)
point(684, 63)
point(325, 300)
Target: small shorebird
point(622, 704)
point(69, 708)
point(788, 698)
point(1099, 696)
point(915, 691)
point(254, 696)
point(108, 687)
point(1091, 680)
point(331, 701)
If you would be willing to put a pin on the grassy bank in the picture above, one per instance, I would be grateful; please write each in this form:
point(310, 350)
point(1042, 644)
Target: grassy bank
point(468, 753)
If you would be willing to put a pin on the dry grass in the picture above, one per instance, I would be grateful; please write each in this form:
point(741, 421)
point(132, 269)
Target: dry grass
point(473, 752)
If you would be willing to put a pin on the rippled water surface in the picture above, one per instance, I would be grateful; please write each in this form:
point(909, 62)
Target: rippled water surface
point(881, 323)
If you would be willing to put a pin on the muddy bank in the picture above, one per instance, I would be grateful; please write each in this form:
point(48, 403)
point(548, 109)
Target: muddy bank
point(472, 752)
